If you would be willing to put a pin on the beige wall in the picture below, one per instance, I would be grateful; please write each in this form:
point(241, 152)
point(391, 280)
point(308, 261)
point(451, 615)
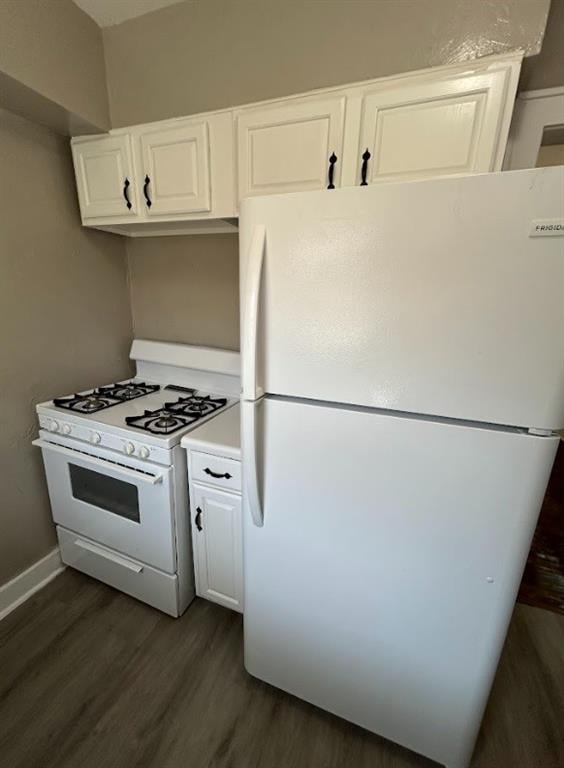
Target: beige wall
point(547, 69)
point(196, 56)
point(54, 48)
point(65, 320)
point(186, 289)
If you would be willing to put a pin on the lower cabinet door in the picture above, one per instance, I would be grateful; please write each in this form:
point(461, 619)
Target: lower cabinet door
point(217, 540)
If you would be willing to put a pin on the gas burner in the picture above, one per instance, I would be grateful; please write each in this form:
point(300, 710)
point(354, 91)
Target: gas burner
point(105, 397)
point(129, 390)
point(196, 405)
point(94, 403)
point(160, 422)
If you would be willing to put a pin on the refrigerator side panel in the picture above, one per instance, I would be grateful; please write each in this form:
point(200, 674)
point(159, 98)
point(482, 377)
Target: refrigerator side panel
point(427, 297)
point(381, 583)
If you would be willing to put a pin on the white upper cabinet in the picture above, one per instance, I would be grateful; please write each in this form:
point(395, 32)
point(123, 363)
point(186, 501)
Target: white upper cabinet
point(104, 177)
point(175, 169)
point(188, 174)
point(287, 146)
point(434, 124)
point(179, 176)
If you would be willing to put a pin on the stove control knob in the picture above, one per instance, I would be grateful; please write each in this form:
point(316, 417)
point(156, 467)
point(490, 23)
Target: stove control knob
point(66, 430)
point(95, 438)
point(53, 426)
point(129, 448)
point(144, 452)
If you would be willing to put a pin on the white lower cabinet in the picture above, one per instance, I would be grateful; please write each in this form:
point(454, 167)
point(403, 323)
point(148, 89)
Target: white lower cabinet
point(217, 543)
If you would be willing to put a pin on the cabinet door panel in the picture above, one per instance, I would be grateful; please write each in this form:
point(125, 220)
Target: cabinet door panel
point(104, 179)
point(433, 128)
point(218, 546)
point(175, 159)
point(286, 147)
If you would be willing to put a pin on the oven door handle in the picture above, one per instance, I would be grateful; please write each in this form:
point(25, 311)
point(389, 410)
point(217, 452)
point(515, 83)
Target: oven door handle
point(134, 474)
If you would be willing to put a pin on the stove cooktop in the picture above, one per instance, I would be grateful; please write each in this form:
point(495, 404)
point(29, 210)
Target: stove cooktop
point(143, 407)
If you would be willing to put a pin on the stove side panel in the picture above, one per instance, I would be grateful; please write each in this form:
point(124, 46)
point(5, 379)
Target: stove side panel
point(181, 517)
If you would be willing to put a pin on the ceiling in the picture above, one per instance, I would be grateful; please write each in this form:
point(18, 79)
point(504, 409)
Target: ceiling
point(106, 13)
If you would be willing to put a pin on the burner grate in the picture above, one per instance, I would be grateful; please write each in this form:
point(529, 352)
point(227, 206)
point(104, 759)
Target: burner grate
point(174, 416)
point(105, 397)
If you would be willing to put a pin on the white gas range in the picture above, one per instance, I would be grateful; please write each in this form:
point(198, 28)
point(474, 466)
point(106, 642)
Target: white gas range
point(117, 475)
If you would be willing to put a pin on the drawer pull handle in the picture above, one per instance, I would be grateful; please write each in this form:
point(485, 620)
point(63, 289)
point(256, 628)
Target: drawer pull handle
point(198, 519)
point(225, 475)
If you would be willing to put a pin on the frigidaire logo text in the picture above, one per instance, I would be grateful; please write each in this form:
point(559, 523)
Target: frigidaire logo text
point(549, 228)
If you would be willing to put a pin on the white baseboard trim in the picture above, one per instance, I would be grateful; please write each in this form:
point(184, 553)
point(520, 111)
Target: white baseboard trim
point(26, 583)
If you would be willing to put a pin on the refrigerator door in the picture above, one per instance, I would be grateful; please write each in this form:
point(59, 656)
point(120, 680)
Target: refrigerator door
point(426, 297)
point(382, 580)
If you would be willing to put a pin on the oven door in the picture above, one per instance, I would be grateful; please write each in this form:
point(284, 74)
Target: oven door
point(118, 501)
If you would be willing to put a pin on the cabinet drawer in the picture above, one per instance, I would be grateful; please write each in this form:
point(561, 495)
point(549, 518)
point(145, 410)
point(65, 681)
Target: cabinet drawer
point(215, 470)
point(130, 576)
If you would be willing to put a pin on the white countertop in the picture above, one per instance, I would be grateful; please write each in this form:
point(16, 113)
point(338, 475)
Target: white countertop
point(221, 435)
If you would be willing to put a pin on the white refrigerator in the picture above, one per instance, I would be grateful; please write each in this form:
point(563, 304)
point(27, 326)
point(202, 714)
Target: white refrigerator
point(403, 375)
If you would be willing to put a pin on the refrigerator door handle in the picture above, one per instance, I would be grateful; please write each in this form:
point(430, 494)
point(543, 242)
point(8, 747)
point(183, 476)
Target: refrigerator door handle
point(254, 274)
point(250, 464)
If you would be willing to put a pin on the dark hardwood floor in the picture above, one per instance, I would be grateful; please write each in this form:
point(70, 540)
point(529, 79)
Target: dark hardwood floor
point(543, 580)
point(90, 678)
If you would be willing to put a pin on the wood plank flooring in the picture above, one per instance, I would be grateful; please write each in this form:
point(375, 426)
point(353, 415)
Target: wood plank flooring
point(90, 678)
point(543, 580)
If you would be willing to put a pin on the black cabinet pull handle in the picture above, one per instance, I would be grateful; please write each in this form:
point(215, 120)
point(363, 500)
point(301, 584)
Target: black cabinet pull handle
point(226, 475)
point(332, 161)
point(125, 194)
point(146, 191)
point(198, 519)
point(365, 158)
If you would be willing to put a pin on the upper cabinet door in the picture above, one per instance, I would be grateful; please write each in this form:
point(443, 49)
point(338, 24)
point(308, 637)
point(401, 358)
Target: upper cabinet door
point(424, 129)
point(175, 176)
point(104, 177)
point(287, 147)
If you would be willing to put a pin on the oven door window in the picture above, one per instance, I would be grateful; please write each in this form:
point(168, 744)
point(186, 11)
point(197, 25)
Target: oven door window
point(116, 496)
